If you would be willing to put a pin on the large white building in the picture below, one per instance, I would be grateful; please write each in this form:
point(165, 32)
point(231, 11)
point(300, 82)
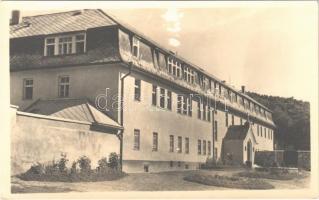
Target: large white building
point(174, 114)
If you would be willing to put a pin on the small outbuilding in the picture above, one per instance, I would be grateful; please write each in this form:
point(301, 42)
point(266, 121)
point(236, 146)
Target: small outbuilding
point(239, 144)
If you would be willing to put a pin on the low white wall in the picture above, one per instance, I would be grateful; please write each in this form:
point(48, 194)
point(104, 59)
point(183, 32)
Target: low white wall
point(36, 139)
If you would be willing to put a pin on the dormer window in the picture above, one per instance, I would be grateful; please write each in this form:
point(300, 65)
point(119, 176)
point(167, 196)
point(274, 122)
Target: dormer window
point(50, 43)
point(188, 75)
point(66, 44)
point(174, 67)
point(136, 47)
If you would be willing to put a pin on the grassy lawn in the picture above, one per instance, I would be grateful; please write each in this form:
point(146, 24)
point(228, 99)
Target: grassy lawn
point(229, 182)
point(163, 181)
point(269, 175)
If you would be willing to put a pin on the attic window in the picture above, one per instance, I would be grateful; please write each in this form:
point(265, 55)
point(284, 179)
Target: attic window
point(136, 47)
point(65, 44)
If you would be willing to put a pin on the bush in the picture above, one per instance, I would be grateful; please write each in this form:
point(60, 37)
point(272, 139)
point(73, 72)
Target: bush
point(85, 164)
point(57, 170)
point(113, 161)
point(74, 168)
point(229, 182)
point(213, 164)
point(62, 163)
point(103, 166)
point(37, 168)
point(270, 175)
point(52, 169)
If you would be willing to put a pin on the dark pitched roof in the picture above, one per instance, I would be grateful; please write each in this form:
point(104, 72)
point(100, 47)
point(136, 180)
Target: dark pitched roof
point(74, 109)
point(80, 20)
point(237, 132)
point(77, 20)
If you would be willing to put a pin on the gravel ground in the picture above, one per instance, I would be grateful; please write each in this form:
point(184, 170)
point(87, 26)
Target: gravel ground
point(165, 181)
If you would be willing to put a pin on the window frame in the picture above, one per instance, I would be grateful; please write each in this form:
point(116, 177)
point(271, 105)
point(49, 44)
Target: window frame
point(179, 144)
point(155, 141)
point(56, 44)
point(25, 86)
point(137, 140)
point(137, 88)
point(186, 145)
point(64, 84)
point(171, 143)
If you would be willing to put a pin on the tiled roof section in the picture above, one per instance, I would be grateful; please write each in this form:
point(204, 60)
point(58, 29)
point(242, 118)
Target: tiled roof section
point(74, 109)
point(77, 20)
point(237, 132)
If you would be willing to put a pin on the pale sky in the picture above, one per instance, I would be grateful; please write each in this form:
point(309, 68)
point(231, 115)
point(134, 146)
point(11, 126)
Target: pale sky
point(271, 49)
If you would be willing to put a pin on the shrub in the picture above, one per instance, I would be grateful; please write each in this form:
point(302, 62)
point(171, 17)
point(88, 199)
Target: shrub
point(57, 170)
point(52, 168)
point(113, 161)
point(73, 168)
point(85, 164)
point(62, 163)
point(229, 182)
point(103, 165)
point(213, 164)
point(37, 168)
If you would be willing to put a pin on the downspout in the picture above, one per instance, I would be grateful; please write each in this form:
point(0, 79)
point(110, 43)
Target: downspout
point(122, 114)
point(213, 125)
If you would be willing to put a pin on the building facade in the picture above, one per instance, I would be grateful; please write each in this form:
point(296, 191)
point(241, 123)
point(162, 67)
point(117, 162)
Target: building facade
point(174, 114)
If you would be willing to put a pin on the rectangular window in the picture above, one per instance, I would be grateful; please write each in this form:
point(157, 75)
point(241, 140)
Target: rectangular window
point(155, 141)
point(261, 131)
point(169, 100)
point(162, 98)
point(199, 147)
point(27, 89)
point(204, 111)
point(208, 113)
point(179, 143)
point(174, 67)
point(171, 163)
point(50, 46)
point(171, 143)
point(257, 130)
point(64, 86)
point(187, 145)
point(204, 147)
point(190, 106)
point(136, 139)
point(209, 148)
point(65, 45)
point(169, 64)
point(136, 47)
point(199, 110)
point(137, 90)
point(215, 130)
point(185, 102)
point(265, 131)
point(241, 121)
point(80, 43)
point(226, 119)
point(154, 95)
point(232, 120)
point(179, 103)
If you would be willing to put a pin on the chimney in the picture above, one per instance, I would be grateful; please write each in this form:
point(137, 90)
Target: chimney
point(243, 89)
point(15, 17)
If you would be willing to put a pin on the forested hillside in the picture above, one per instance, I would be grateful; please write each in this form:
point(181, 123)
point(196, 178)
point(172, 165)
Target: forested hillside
point(292, 118)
